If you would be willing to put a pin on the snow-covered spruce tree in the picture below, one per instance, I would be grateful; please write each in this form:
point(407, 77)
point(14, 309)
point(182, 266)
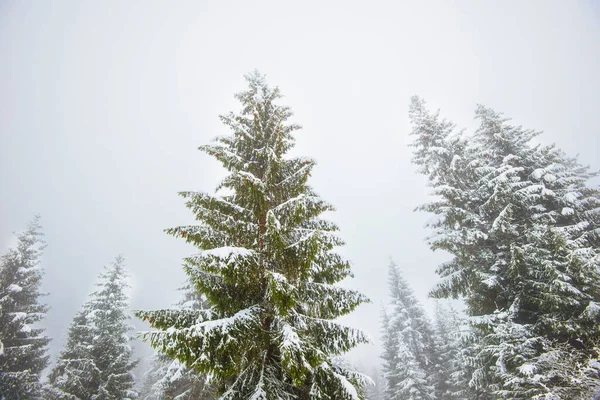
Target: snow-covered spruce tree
point(267, 267)
point(545, 253)
point(525, 249)
point(411, 362)
point(22, 346)
point(170, 379)
point(97, 360)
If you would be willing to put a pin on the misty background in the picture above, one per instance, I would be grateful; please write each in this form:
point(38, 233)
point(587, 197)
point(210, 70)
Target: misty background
point(103, 105)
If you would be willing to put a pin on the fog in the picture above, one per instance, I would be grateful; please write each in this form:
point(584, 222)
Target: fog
point(103, 105)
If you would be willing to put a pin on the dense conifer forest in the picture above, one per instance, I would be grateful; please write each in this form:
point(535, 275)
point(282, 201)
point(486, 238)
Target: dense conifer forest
point(517, 311)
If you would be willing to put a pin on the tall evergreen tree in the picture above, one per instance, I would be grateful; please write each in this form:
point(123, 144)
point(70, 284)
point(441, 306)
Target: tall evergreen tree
point(546, 252)
point(410, 356)
point(522, 228)
point(267, 267)
point(22, 346)
point(97, 360)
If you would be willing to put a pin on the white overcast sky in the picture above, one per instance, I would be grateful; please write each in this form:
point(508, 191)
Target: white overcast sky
point(103, 104)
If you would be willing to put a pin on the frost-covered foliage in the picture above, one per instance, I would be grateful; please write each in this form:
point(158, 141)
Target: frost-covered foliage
point(268, 268)
point(376, 391)
point(97, 360)
point(522, 227)
point(448, 337)
point(169, 379)
point(411, 360)
point(22, 346)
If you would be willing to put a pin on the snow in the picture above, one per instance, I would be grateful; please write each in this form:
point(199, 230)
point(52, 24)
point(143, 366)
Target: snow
point(171, 330)
point(567, 211)
point(550, 178)
point(594, 364)
point(251, 177)
point(302, 239)
point(235, 206)
point(290, 338)
point(223, 192)
point(502, 217)
point(231, 154)
point(228, 251)
point(273, 221)
point(14, 288)
point(537, 174)
point(293, 199)
point(18, 316)
point(486, 319)
point(455, 159)
point(527, 369)
point(547, 192)
point(277, 276)
point(435, 220)
point(490, 282)
point(348, 387)
point(571, 197)
point(592, 310)
point(203, 327)
point(302, 169)
point(438, 150)
point(177, 366)
point(259, 393)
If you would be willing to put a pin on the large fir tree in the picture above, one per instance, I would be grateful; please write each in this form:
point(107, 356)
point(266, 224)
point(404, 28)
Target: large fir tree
point(522, 227)
point(97, 360)
point(268, 268)
point(22, 345)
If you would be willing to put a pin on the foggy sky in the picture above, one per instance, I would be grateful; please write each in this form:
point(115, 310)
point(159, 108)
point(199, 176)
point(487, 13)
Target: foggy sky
point(103, 104)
